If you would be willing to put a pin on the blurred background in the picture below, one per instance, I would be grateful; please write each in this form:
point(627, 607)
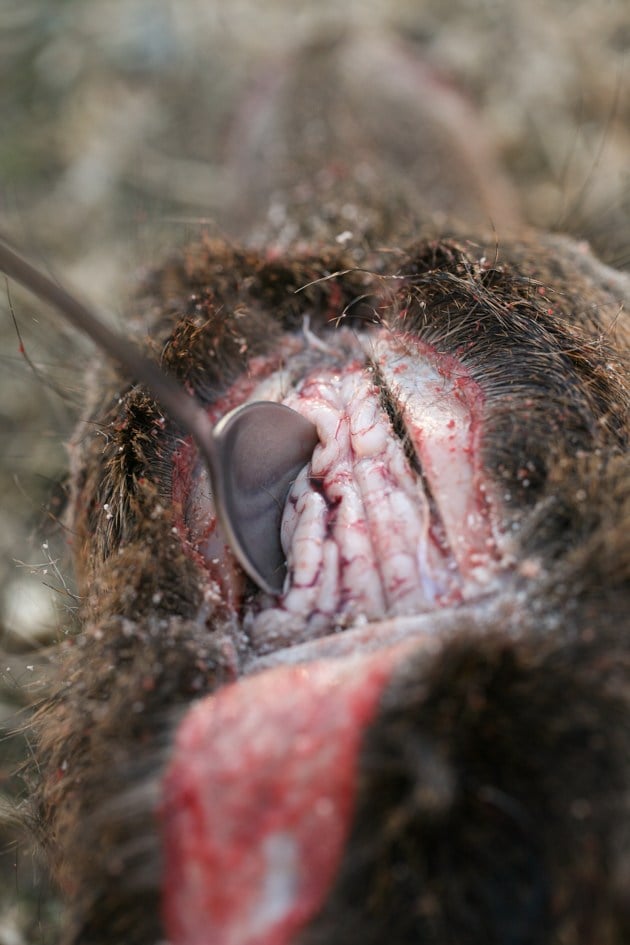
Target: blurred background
point(114, 120)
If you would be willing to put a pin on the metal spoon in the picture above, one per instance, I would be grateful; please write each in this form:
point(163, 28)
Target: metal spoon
point(259, 450)
point(253, 455)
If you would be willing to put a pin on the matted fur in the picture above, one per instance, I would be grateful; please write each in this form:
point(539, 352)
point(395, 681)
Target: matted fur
point(493, 783)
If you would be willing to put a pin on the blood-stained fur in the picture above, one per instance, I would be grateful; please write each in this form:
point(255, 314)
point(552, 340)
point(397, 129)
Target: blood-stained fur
point(484, 794)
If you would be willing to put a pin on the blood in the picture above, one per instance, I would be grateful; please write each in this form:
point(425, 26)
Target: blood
point(258, 799)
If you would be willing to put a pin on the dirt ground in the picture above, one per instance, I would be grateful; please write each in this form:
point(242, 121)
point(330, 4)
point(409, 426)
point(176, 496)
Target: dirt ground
point(115, 116)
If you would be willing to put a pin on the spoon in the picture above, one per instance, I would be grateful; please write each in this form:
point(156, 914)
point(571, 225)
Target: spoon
point(259, 450)
point(253, 454)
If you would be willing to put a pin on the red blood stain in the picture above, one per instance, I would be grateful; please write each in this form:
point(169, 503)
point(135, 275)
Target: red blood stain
point(258, 798)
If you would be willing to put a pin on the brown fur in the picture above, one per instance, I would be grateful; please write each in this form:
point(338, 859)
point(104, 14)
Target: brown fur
point(493, 789)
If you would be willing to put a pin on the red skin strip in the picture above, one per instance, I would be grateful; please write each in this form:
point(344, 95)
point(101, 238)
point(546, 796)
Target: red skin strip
point(258, 798)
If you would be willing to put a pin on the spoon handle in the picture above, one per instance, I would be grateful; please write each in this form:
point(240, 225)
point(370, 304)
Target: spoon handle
point(252, 528)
